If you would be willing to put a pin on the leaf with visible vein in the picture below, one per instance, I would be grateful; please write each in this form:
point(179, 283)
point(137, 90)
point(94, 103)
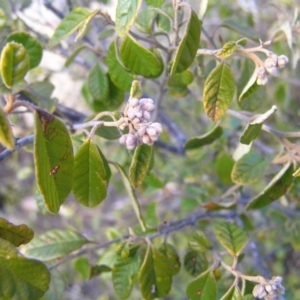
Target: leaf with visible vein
point(219, 89)
point(232, 237)
point(126, 13)
point(189, 44)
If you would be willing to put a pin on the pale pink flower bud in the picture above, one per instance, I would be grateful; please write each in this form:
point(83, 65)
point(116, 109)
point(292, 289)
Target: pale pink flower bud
point(146, 139)
point(262, 78)
point(133, 102)
point(131, 113)
point(136, 121)
point(259, 291)
point(271, 61)
point(282, 61)
point(153, 137)
point(146, 115)
point(273, 71)
point(122, 139)
point(142, 130)
point(151, 131)
point(147, 104)
point(157, 126)
point(269, 288)
point(139, 113)
point(131, 141)
point(144, 100)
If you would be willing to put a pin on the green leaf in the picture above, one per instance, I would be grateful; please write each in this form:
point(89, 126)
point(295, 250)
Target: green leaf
point(14, 64)
point(70, 23)
point(23, 279)
point(136, 90)
point(227, 50)
point(140, 164)
point(171, 255)
point(118, 75)
point(155, 276)
point(250, 168)
point(242, 42)
point(233, 293)
point(297, 173)
point(126, 13)
point(98, 83)
point(248, 297)
point(203, 287)
point(17, 235)
point(40, 93)
point(155, 3)
point(252, 130)
point(198, 242)
point(219, 89)
point(90, 178)
point(82, 266)
point(277, 187)
point(231, 237)
point(122, 275)
point(98, 269)
point(133, 197)
point(6, 134)
point(54, 244)
point(187, 49)
point(140, 60)
point(115, 97)
point(53, 156)
point(31, 44)
point(165, 17)
point(224, 166)
point(250, 88)
point(206, 139)
point(178, 83)
point(7, 249)
point(195, 262)
point(71, 57)
point(247, 222)
point(144, 20)
point(83, 26)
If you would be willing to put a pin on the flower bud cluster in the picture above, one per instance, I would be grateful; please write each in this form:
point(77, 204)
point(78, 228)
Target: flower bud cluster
point(272, 65)
point(271, 290)
point(141, 131)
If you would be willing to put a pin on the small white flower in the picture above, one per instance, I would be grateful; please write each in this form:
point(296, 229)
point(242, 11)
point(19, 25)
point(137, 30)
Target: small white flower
point(274, 71)
point(147, 104)
point(262, 78)
point(157, 126)
point(122, 139)
point(133, 102)
point(271, 61)
point(131, 141)
point(282, 61)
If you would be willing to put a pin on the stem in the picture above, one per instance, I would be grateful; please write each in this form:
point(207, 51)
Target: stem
point(98, 123)
point(9, 104)
point(103, 114)
point(258, 279)
point(171, 227)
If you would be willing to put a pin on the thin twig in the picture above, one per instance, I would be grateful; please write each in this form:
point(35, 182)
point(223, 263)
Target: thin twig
point(166, 229)
point(19, 144)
